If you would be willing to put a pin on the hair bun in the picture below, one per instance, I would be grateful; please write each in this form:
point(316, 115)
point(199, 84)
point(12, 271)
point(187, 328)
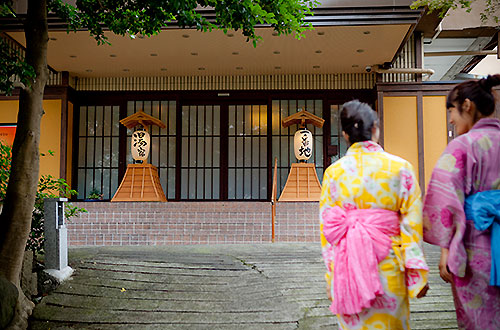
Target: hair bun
point(489, 82)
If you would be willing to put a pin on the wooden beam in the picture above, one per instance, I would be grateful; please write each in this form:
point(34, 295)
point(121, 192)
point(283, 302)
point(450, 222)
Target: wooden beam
point(419, 40)
point(380, 110)
point(141, 118)
point(461, 53)
point(302, 118)
point(420, 138)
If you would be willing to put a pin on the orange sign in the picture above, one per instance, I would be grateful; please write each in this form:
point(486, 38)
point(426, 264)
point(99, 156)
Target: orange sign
point(7, 133)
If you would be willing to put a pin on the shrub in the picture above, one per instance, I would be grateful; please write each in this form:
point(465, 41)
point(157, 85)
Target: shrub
point(48, 187)
point(95, 194)
point(5, 160)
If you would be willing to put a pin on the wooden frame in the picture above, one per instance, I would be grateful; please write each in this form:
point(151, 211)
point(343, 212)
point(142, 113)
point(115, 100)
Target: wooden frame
point(420, 139)
point(302, 118)
point(328, 97)
point(419, 90)
point(140, 183)
point(141, 118)
point(302, 184)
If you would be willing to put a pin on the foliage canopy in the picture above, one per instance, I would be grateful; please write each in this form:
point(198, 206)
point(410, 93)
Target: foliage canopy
point(146, 18)
point(443, 6)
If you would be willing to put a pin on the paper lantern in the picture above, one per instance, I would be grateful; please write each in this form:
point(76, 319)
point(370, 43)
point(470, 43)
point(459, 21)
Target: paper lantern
point(141, 143)
point(303, 144)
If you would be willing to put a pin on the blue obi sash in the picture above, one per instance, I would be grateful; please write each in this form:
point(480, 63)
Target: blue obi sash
point(484, 209)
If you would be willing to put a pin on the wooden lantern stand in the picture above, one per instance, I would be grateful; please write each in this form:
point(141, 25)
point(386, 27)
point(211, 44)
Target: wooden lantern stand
point(141, 182)
point(302, 184)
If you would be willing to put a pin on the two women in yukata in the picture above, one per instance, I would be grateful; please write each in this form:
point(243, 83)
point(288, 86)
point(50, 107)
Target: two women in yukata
point(372, 228)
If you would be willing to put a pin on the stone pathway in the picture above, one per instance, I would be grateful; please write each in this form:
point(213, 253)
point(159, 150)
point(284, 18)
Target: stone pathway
point(263, 286)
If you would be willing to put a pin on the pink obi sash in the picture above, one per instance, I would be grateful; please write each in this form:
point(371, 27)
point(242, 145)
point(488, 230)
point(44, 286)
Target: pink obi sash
point(361, 239)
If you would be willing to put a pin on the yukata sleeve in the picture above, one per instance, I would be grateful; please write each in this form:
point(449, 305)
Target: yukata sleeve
point(326, 202)
point(413, 259)
point(444, 217)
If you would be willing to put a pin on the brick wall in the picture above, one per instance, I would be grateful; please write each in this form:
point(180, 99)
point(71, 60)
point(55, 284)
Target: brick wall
point(297, 222)
point(149, 223)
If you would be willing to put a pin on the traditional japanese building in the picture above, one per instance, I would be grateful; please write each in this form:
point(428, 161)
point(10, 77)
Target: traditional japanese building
point(222, 102)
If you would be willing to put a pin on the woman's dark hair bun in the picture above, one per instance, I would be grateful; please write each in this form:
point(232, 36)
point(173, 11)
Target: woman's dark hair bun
point(489, 82)
point(478, 91)
point(357, 120)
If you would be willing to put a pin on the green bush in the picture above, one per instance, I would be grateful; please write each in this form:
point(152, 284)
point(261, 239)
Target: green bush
point(5, 160)
point(48, 187)
point(95, 194)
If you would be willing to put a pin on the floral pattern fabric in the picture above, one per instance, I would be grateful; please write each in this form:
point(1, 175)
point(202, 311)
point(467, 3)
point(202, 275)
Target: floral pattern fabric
point(469, 164)
point(369, 178)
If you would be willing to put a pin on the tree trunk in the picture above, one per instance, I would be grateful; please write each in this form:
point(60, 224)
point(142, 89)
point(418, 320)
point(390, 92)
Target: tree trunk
point(15, 220)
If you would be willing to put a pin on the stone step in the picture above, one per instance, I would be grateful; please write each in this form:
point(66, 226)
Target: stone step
point(244, 286)
point(126, 315)
point(164, 326)
point(189, 305)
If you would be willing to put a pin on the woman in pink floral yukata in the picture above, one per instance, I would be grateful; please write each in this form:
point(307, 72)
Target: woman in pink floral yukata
point(462, 206)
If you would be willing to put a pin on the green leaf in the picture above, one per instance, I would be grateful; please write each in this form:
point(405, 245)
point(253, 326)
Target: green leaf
point(13, 69)
point(444, 6)
point(149, 17)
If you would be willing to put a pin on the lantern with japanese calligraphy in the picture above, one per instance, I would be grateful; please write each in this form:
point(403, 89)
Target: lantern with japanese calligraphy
point(141, 143)
point(302, 183)
point(303, 144)
point(141, 182)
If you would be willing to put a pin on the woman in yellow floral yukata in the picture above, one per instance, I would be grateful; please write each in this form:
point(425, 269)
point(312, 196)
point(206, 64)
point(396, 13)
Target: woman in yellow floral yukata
point(371, 230)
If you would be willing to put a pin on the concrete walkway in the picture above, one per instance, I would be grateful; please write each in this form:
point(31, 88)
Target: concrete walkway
point(262, 286)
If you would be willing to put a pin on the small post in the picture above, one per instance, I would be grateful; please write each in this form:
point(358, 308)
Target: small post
point(273, 237)
point(274, 198)
point(56, 239)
